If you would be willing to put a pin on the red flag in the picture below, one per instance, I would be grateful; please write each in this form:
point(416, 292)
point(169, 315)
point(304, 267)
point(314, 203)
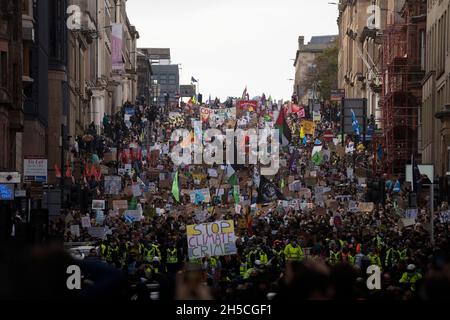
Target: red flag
point(93, 171)
point(124, 157)
point(280, 120)
point(69, 171)
point(86, 169)
point(132, 154)
point(140, 155)
point(57, 171)
point(98, 176)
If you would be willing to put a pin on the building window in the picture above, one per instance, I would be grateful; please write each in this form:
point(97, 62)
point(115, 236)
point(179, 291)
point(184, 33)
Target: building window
point(3, 69)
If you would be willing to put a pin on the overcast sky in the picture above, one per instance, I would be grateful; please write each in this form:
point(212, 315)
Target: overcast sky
point(230, 44)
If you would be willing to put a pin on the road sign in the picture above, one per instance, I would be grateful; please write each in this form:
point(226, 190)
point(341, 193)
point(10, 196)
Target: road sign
point(35, 169)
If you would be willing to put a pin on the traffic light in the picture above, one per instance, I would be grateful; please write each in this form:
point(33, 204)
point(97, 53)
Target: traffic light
point(200, 98)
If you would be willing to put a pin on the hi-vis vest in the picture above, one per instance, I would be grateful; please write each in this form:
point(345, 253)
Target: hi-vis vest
point(172, 256)
point(243, 269)
point(402, 254)
point(335, 257)
point(292, 253)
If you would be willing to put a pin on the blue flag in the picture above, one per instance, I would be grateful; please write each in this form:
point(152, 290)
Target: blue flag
point(380, 152)
point(397, 187)
point(304, 141)
point(355, 124)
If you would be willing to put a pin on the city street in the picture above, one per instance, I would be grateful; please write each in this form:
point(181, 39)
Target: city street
point(125, 175)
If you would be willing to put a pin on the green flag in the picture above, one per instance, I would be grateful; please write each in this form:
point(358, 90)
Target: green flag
point(175, 188)
point(133, 204)
point(236, 194)
point(317, 159)
point(282, 184)
point(233, 180)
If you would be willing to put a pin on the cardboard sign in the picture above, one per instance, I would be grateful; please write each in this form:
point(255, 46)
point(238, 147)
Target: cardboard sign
point(405, 223)
point(332, 204)
point(366, 207)
point(305, 192)
point(120, 204)
point(211, 239)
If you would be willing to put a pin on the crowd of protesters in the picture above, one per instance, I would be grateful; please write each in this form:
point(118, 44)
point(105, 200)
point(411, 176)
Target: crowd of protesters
point(306, 251)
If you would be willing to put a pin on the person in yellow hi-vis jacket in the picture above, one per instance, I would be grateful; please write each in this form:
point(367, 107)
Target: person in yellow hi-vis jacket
point(293, 252)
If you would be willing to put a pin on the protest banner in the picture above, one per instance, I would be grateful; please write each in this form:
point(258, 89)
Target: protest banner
point(211, 239)
point(98, 204)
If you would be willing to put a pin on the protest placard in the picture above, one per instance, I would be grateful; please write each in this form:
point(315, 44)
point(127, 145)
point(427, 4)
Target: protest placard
point(113, 185)
point(99, 217)
point(199, 196)
point(98, 204)
point(133, 215)
point(305, 192)
point(120, 204)
point(211, 239)
point(137, 192)
point(75, 230)
point(366, 207)
point(86, 222)
point(445, 217)
point(411, 213)
point(309, 127)
point(405, 223)
point(97, 232)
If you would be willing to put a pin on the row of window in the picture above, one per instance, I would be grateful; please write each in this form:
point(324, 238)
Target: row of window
point(439, 43)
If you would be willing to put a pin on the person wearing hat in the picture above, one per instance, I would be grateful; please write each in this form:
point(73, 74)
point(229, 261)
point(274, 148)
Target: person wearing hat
point(410, 277)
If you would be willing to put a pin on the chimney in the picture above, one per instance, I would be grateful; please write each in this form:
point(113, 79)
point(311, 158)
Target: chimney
point(301, 42)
